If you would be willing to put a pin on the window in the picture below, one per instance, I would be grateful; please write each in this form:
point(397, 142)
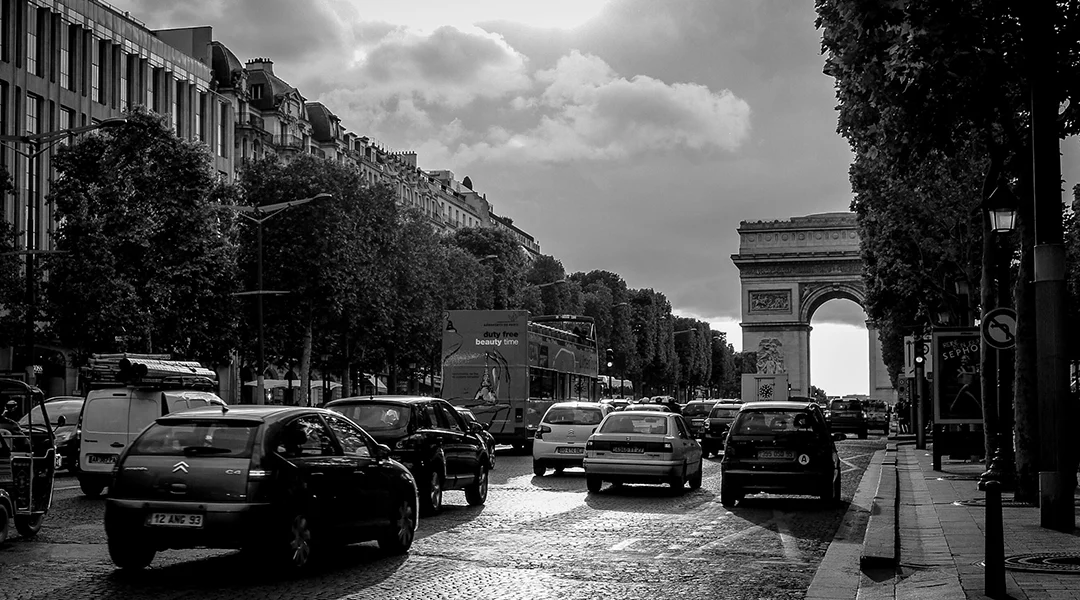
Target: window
point(125, 73)
point(67, 70)
point(256, 91)
point(200, 108)
point(376, 416)
point(306, 436)
point(32, 36)
point(449, 417)
point(350, 437)
point(568, 415)
point(179, 104)
point(152, 89)
point(67, 121)
point(95, 70)
point(65, 59)
point(223, 130)
point(174, 116)
point(197, 438)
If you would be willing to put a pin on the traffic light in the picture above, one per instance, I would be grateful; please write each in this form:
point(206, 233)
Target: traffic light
point(610, 354)
point(920, 353)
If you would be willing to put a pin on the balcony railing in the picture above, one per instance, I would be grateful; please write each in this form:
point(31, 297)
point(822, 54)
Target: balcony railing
point(253, 120)
point(317, 151)
point(288, 141)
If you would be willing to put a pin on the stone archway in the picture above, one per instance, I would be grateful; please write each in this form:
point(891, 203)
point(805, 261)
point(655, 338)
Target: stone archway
point(787, 270)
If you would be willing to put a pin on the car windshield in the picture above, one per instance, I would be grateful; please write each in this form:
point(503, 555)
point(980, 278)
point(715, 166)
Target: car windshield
point(376, 416)
point(635, 424)
point(570, 415)
point(768, 422)
point(695, 410)
point(845, 405)
point(70, 410)
point(196, 438)
point(466, 414)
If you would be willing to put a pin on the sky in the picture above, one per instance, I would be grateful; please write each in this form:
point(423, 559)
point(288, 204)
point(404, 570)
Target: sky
point(626, 135)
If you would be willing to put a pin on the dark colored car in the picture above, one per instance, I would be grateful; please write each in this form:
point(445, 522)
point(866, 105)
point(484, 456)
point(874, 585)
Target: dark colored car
point(489, 439)
point(783, 448)
point(429, 437)
point(64, 418)
point(849, 414)
point(286, 483)
point(720, 419)
point(696, 413)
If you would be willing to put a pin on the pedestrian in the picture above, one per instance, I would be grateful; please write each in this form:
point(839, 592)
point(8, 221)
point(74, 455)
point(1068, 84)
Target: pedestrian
point(903, 416)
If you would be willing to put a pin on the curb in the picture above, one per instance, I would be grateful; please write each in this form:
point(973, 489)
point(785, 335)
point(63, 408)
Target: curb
point(881, 544)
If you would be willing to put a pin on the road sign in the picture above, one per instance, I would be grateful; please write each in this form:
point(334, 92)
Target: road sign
point(999, 328)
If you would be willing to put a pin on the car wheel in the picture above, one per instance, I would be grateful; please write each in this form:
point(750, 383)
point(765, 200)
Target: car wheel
point(130, 554)
point(5, 523)
point(677, 482)
point(695, 479)
point(491, 458)
point(476, 494)
point(863, 434)
point(29, 526)
point(593, 483)
point(538, 468)
point(90, 488)
point(559, 470)
point(399, 537)
point(431, 493)
point(298, 552)
point(729, 495)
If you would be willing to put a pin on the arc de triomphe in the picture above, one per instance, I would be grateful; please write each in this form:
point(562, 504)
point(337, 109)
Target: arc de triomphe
point(787, 270)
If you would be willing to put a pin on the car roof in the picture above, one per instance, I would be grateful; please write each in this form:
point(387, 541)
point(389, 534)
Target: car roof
point(577, 404)
point(238, 413)
point(64, 399)
point(389, 399)
point(645, 413)
point(776, 405)
point(703, 402)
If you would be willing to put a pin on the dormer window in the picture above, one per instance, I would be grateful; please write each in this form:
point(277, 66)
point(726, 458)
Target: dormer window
point(257, 91)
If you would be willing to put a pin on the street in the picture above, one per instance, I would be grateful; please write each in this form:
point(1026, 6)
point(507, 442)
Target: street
point(535, 538)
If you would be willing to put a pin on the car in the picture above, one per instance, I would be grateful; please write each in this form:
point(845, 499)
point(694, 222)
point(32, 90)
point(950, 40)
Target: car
point(64, 419)
point(877, 415)
point(668, 401)
point(649, 407)
point(283, 483)
point(428, 436)
point(485, 434)
point(720, 418)
point(849, 414)
point(615, 403)
point(564, 429)
point(780, 447)
point(696, 413)
point(639, 446)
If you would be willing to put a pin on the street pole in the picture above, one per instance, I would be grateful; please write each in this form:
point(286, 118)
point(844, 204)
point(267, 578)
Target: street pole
point(260, 383)
point(31, 264)
point(1056, 486)
point(920, 410)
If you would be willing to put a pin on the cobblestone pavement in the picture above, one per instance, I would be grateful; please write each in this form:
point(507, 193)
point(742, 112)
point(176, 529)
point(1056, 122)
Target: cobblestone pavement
point(535, 538)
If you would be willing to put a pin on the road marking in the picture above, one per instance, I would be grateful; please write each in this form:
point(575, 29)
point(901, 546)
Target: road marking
point(791, 547)
point(623, 545)
point(727, 539)
point(851, 467)
point(65, 488)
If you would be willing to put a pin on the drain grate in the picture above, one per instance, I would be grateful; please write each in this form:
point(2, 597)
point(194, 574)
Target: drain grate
point(1045, 562)
point(1004, 503)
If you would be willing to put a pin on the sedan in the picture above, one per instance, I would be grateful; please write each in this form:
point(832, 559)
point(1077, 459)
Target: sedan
point(560, 440)
point(285, 483)
point(489, 440)
point(64, 418)
point(637, 446)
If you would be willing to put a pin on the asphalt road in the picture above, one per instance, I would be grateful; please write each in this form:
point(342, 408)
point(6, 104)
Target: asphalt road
point(536, 537)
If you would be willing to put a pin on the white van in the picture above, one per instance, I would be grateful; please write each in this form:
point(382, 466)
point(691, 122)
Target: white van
point(113, 417)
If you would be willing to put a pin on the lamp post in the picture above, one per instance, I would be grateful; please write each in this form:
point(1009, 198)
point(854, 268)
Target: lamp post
point(37, 144)
point(259, 215)
point(674, 334)
point(544, 285)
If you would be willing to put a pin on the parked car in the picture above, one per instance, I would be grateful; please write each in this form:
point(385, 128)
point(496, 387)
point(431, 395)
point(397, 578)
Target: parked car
point(780, 447)
point(489, 439)
point(848, 414)
point(721, 417)
point(428, 436)
point(284, 482)
point(564, 429)
point(642, 447)
point(27, 463)
point(696, 413)
point(64, 419)
point(877, 415)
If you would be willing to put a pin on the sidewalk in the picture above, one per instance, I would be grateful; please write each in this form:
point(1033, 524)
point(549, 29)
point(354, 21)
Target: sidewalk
point(939, 524)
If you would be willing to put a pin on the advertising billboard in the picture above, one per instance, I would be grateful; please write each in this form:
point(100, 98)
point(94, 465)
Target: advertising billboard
point(957, 392)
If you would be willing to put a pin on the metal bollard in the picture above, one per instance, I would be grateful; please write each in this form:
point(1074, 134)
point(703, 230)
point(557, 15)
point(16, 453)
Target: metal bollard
point(994, 569)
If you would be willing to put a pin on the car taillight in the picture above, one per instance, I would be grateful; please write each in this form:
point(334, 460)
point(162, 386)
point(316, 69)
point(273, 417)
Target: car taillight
point(668, 447)
point(540, 432)
point(589, 445)
point(259, 474)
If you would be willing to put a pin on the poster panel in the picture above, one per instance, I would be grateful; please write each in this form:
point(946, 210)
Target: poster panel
point(957, 391)
point(485, 365)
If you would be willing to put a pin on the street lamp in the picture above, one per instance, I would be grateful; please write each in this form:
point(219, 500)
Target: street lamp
point(37, 144)
point(544, 285)
point(259, 215)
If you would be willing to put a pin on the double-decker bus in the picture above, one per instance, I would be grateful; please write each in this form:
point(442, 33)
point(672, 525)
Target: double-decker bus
point(508, 368)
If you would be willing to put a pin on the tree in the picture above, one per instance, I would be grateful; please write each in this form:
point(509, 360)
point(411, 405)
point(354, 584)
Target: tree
point(507, 262)
point(818, 394)
point(149, 258)
point(725, 378)
point(12, 285)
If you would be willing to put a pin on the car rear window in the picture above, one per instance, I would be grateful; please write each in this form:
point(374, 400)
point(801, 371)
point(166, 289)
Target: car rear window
point(724, 412)
point(70, 411)
point(635, 424)
point(765, 422)
point(845, 405)
point(567, 415)
point(197, 438)
point(696, 410)
point(375, 416)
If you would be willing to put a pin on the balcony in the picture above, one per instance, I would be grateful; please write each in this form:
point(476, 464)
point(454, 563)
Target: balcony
point(288, 141)
point(317, 151)
point(252, 120)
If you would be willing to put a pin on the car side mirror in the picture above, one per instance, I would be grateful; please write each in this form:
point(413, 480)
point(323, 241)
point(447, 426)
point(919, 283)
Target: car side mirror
point(61, 421)
point(839, 437)
point(382, 451)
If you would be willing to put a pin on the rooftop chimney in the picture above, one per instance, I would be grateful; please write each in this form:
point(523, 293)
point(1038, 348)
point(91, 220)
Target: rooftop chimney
point(261, 64)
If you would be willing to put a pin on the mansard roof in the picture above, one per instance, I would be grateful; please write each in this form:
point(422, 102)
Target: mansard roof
point(276, 89)
point(322, 120)
point(224, 65)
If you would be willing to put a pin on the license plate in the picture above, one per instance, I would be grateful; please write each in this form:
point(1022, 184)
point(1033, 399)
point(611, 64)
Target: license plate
point(628, 449)
point(174, 520)
point(775, 454)
point(569, 450)
point(102, 459)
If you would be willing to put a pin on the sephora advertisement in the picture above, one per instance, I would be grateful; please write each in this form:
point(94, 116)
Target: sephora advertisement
point(957, 393)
